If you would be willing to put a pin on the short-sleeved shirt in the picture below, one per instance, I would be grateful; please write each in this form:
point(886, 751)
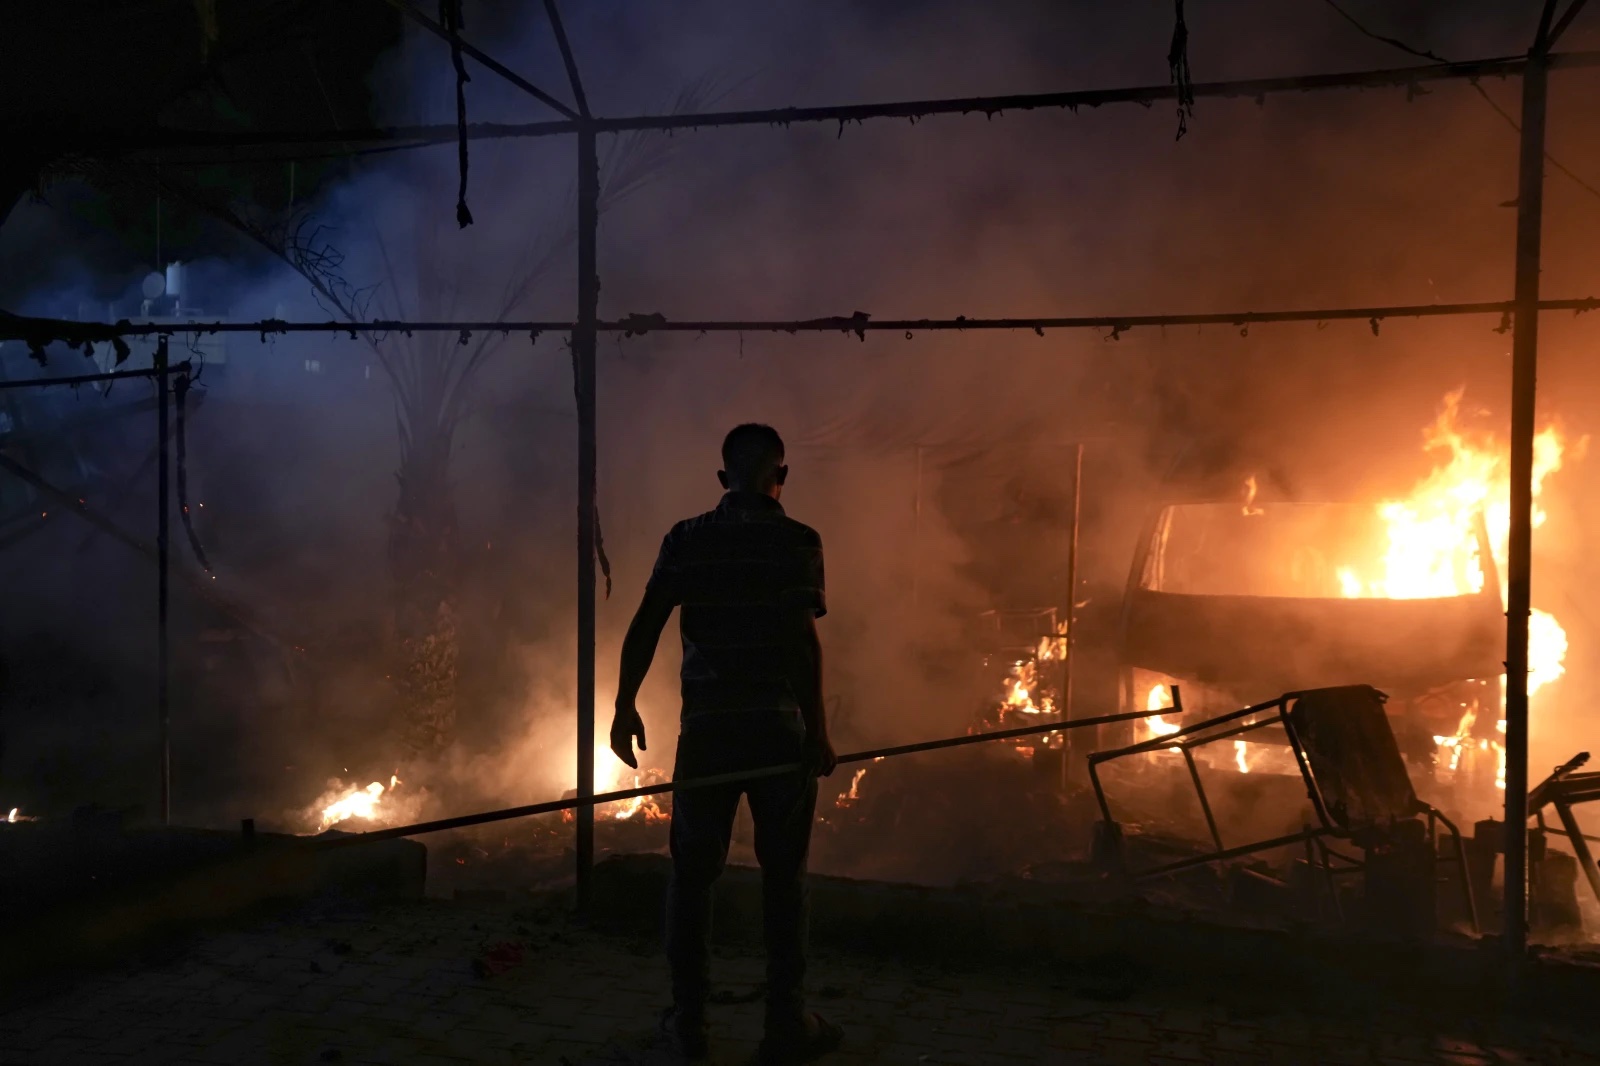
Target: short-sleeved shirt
point(736, 573)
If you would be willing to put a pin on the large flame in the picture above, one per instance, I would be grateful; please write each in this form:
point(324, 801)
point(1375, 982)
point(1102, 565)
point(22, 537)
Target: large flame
point(1430, 549)
point(1433, 545)
point(341, 804)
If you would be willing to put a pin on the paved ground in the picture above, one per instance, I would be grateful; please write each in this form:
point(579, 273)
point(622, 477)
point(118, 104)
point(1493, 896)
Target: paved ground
point(451, 983)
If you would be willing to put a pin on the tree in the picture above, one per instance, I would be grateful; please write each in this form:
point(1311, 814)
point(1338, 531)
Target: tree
point(432, 376)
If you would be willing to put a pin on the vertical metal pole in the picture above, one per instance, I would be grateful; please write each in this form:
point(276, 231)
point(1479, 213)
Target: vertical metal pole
point(1072, 599)
point(583, 366)
point(916, 535)
point(164, 509)
point(1524, 375)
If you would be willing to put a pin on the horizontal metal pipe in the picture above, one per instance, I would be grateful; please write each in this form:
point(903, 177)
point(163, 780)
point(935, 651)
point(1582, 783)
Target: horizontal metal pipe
point(1564, 833)
point(1143, 96)
point(553, 806)
point(1231, 853)
point(1175, 739)
point(87, 379)
point(76, 332)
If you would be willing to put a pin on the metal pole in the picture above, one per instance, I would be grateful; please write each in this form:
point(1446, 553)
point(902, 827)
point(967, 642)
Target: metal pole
point(583, 364)
point(1524, 375)
point(163, 504)
point(916, 536)
point(1072, 599)
point(578, 802)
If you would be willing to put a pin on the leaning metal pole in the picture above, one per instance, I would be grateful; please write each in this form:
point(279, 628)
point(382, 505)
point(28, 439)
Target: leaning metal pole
point(465, 821)
point(1524, 376)
point(583, 368)
point(1067, 744)
point(164, 509)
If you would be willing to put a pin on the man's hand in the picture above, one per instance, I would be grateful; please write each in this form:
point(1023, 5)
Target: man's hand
point(625, 726)
point(820, 757)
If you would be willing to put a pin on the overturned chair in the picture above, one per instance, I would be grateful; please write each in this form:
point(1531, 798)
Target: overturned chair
point(1564, 789)
point(1354, 777)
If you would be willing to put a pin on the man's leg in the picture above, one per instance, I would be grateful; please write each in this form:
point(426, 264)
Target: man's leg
point(702, 825)
point(782, 809)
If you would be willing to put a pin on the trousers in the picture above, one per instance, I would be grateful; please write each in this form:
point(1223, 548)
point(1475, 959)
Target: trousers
point(702, 828)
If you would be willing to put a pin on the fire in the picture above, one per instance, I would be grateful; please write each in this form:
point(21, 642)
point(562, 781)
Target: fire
point(624, 810)
point(12, 817)
point(1157, 724)
point(1432, 548)
point(1433, 545)
point(849, 798)
point(360, 803)
point(1023, 682)
point(1250, 490)
point(611, 775)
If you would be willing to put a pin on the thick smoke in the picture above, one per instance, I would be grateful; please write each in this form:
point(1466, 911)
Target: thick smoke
point(1307, 201)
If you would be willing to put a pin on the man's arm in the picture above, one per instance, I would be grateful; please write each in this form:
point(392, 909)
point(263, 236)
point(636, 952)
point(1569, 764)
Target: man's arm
point(638, 651)
point(803, 664)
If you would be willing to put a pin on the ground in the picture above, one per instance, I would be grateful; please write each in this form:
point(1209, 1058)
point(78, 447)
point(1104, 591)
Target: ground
point(501, 981)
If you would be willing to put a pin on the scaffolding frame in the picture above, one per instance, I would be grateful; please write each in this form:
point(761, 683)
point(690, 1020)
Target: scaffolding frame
point(1520, 313)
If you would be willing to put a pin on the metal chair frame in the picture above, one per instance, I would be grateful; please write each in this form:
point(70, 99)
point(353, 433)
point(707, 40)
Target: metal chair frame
point(1564, 789)
point(1264, 716)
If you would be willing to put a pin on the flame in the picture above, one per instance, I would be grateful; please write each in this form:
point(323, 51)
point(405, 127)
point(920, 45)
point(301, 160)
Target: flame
point(1433, 545)
point(624, 810)
point(360, 803)
point(1432, 542)
point(1241, 760)
point(1250, 490)
point(12, 817)
point(612, 775)
point(847, 799)
point(1022, 683)
point(1157, 725)
point(1461, 740)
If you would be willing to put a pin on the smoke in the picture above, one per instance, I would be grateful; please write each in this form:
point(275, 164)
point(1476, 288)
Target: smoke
point(1306, 201)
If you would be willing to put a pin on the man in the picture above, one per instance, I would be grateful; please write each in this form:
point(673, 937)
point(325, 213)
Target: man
point(749, 582)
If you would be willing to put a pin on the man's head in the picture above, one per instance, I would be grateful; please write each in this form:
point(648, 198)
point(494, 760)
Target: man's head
point(752, 460)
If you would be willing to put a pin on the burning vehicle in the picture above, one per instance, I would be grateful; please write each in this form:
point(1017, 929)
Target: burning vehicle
point(1238, 594)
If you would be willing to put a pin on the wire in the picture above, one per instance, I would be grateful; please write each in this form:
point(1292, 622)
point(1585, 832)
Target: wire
point(1423, 53)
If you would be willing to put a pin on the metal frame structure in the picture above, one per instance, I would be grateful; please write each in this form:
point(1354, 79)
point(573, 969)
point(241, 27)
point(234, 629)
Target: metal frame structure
point(1235, 724)
point(1564, 789)
point(1521, 311)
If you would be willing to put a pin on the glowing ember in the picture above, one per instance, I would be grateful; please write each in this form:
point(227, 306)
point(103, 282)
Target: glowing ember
point(1433, 542)
point(611, 775)
point(644, 806)
point(360, 803)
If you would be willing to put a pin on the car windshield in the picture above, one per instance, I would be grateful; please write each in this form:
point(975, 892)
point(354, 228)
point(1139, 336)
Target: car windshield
point(1305, 550)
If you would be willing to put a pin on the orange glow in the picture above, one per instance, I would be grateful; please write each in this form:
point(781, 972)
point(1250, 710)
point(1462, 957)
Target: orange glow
point(365, 804)
point(1433, 544)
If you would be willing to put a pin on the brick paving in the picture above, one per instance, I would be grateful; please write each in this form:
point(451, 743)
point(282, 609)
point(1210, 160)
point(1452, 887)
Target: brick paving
point(445, 983)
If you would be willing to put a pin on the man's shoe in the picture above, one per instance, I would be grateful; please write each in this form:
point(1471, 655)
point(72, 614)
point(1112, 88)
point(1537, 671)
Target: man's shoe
point(804, 1039)
point(688, 1033)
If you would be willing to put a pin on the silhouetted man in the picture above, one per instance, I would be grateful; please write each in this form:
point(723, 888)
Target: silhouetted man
point(749, 582)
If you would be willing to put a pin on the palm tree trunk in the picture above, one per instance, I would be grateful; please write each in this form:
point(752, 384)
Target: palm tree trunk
point(424, 558)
